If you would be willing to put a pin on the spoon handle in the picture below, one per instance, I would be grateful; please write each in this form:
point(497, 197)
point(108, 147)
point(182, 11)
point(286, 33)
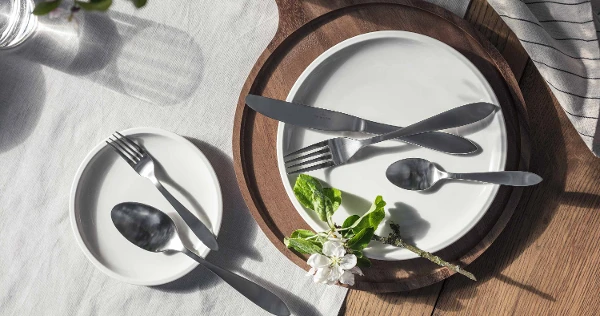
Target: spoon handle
point(254, 292)
point(196, 226)
point(513, 178)
point(463, 115)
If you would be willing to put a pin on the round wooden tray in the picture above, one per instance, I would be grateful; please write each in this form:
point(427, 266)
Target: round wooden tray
point(306, 30)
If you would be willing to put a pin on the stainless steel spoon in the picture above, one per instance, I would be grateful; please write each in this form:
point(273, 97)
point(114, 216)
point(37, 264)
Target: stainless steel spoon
point(419, 174)
point(152, 230)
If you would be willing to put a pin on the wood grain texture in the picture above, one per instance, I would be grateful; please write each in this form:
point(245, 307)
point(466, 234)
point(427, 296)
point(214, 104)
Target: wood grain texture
point(290, 53)
point(546, 260)
point(544, 263)
point(483, 17)
point(417, 302)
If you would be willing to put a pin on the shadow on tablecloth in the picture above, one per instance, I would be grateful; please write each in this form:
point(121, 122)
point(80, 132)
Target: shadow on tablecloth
point(237, 233)
point(22, 97)
point(124, 53)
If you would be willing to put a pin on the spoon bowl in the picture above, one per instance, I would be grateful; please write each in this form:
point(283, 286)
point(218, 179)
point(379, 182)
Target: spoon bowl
point(146, 227)
point(153, 230)
point(414, 174)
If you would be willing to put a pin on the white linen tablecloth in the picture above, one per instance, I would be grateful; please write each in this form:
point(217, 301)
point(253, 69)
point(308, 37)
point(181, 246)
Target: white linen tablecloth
point(178, 66)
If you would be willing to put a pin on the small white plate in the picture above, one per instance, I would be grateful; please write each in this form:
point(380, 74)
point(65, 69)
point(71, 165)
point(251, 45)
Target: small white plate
point(104, 179)
point(399, 78)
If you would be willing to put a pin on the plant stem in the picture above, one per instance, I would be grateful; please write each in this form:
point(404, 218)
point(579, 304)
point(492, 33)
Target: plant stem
point(394, 239)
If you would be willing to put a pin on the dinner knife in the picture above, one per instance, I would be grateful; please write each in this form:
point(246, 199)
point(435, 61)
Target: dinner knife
point(328, 120)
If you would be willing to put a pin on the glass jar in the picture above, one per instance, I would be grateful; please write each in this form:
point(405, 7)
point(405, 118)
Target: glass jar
point(17, 23)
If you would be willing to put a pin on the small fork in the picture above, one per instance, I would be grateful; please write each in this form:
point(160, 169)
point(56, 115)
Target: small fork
point(141, 161)
point(337, 151)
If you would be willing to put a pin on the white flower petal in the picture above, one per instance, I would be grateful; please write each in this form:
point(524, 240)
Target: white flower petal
point(339, 251)
point(347, 278)
point(317, 260)
point(356, 270)
point(334, 248)
point(335, 274)
point(348, 262)
point(322, 275)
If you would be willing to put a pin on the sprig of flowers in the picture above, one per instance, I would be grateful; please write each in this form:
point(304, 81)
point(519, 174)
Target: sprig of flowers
point(337, 255)
point(334, 264)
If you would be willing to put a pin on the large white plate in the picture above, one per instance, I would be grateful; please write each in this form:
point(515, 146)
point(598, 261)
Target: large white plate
point(399, 78)
point(104, 179)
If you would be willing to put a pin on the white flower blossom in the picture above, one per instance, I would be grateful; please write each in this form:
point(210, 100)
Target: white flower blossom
point(334, 264)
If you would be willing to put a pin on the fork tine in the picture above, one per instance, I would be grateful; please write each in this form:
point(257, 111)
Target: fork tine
point(311, 161)
point(125, 142)
point(311, 168)
point(139, 149)
point(123, 155)
point(127, 148)
point(314, 153)
point(118, 142)
point(307, 148)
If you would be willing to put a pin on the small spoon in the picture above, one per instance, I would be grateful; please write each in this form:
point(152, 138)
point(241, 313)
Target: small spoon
point(419, 174)
point(152, 230)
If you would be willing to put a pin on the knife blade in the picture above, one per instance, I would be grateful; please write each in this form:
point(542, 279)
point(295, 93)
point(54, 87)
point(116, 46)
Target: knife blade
point(328, 120)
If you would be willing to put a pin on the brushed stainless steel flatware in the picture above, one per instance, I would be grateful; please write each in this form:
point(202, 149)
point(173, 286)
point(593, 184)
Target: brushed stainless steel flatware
point(419, 174)
point(328, 120)
point(141, 161)
point(153, 230)
point(338, 151)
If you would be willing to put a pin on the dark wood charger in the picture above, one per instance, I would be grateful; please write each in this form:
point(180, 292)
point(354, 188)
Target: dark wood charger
point(306, 30)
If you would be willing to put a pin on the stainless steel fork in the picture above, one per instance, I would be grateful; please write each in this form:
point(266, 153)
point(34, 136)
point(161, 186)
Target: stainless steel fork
point(338, 151)
point(141, 161)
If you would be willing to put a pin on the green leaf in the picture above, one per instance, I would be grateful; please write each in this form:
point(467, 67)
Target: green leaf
point(335, 196)
point(361, 239)
point(372, 218)
point(358, 253)
point(303, 189)
point(302, 245)
point(322, 206)
point(347, 223)
point(311, 195)
point(302, 233)
point(350, 220)
point(139, 3)
point(363, 262)
point(95, 5)
point(44, 8)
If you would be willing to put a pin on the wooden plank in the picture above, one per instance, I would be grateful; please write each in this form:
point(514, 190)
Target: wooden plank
point(545, 261)
point(417, 302)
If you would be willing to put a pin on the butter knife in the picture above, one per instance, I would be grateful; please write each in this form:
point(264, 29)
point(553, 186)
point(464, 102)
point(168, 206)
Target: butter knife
point(328, 120)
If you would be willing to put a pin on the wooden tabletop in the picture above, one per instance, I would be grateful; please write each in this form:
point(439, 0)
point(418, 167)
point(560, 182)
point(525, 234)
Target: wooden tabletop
point(545, 261)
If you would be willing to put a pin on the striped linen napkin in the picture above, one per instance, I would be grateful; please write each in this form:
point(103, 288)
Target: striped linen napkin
point(561, 37)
